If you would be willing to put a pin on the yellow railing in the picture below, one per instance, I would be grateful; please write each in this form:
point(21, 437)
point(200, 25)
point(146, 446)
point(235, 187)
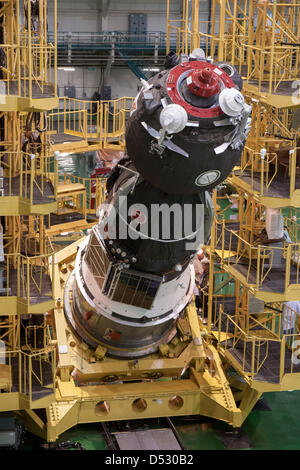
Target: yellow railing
point(293, 227)
point(32, 240)
point(28, 176)
point(72, 122)
point(232, 203)
point(277, 321)
point(219, 228)
point(27, 57)
point(252, 356)
point(35, 244)
point(251, 229)
point(114, 116)
point(29, 375)
point(81, 117)
point(27, 70)
point(260, 38)
point(37, 337)
point(99, 122)
point(259, 260)
point(95, 190)
point(189, 32)
point(27, 277)
point(256, 335)
point(267, 68)
point(223, 289)
point(264, 170)
point(187, 39)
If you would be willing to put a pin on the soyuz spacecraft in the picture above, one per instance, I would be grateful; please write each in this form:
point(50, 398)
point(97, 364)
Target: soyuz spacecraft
point(133, 274)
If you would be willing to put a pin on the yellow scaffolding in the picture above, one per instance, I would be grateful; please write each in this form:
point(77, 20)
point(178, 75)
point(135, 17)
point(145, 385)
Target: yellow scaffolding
point(88, 125)
point(28, 191)
point(27, 57)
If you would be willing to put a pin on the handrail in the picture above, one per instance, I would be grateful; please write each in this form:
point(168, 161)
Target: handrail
point(26, 371)
point(24, 173)
point(220, 212)
point(254, 322)
point(257, 255)
point(236, 338)
point(287, 341)
point(31, 64)
point(118, 38)
point(95, 190)
point(29, 271)
point(261, 40)
point(257, 164)
point(248, 338)
point(27, 56)
point(293, 227)
point(103, 121)
point(280, 60)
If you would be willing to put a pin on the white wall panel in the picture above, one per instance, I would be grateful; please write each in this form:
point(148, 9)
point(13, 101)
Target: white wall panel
point(83, 16)
point(156, 11)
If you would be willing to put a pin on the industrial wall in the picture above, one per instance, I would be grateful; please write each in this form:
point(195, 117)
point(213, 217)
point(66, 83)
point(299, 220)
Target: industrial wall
point(86, 16)
point(156, 11)
point(86, 81)
point(111, 15)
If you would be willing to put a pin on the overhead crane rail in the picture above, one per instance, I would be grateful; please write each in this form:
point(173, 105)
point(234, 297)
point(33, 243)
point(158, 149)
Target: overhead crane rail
point(105, 39)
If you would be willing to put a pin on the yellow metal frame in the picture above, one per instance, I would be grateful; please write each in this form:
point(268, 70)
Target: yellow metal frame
point(91, 387)
point(25, 280)
point(28, 58)
point(23, 175)
point(161, 390)
point(95, 190)
point(96, 124)
point(207, 391)
point(23, 398)
point(29, 189)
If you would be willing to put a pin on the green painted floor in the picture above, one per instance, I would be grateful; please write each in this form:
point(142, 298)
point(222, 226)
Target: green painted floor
point(278, 429)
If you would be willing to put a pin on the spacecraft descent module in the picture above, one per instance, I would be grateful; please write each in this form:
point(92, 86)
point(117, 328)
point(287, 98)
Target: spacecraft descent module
point(133, 275)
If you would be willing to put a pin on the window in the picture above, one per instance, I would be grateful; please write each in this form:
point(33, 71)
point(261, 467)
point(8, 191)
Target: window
point(132, 288)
